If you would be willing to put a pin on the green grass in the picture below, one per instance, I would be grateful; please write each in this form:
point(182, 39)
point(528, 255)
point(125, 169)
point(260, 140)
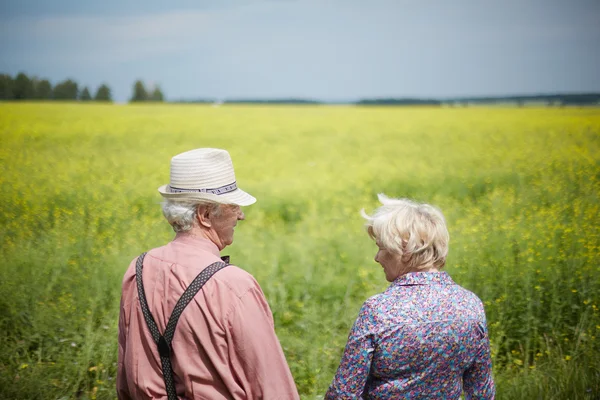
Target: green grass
point(519, 188)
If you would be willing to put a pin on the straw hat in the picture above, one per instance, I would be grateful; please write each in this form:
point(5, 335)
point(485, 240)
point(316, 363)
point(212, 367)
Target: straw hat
point(204, 174)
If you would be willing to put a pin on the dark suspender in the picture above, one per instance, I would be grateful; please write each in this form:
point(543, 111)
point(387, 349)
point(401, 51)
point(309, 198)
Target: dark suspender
point(164, 341)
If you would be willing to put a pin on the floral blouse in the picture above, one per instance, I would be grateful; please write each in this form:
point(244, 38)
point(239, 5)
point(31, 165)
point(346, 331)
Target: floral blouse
point(424, 337)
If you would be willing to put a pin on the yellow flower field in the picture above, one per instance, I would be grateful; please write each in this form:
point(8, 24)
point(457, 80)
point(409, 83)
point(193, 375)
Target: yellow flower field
point(519, 188)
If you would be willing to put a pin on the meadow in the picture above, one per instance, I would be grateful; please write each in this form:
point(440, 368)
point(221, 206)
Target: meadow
point(519, 188)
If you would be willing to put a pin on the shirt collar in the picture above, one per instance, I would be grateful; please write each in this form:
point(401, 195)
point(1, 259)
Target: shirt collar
point(423, 278)
point(197, 242)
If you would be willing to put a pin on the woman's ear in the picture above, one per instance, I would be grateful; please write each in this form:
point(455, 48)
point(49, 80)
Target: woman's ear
point(203, 215)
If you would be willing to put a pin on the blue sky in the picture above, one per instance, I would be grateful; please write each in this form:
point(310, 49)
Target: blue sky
point(320, 49)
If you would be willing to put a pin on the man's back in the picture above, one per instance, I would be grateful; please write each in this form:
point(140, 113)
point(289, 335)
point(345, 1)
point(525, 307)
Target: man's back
point(224, 346)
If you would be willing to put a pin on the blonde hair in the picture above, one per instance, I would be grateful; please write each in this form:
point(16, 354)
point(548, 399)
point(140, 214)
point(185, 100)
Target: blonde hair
point(415, 231)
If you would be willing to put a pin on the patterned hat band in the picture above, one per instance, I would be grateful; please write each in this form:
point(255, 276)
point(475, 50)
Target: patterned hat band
point(220, 190)
point(204, 174)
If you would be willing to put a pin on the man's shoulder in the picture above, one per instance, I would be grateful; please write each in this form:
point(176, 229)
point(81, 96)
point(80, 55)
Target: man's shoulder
point(236, 279)
point(188, 266)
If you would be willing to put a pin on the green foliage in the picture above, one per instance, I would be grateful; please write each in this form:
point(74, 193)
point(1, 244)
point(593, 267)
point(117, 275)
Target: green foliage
point(66, 90)
point(519, 188)
point(6, 87)
point(85, 95)
point(25, 88)
point(157, 95)
point(22, 88)
point(103, 93)
point(139, 92)
point(42, 89)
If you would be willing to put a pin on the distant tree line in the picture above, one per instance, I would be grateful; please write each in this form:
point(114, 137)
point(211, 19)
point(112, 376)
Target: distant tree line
point(556, 100)
point(272, 101)
point(22, 87)
point(140, 93)
point(289, 101)
point(570, 99)
point(399, 102)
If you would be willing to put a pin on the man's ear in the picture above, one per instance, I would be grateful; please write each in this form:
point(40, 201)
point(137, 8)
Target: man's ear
point(203, 215)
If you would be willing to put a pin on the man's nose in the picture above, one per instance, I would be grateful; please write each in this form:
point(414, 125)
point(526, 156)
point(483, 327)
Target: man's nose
point(241, 216)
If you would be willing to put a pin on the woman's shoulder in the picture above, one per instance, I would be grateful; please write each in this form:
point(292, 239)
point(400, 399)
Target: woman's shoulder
point(376, 299)
point(379, 304)
point(467, 299)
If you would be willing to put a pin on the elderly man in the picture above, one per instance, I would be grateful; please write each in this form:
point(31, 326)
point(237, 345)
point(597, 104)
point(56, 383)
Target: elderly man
point(192, 326)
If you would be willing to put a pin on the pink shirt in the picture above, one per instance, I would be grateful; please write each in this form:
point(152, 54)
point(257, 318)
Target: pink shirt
point(224, 345)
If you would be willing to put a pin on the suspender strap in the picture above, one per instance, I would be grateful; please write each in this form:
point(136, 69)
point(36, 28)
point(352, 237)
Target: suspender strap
point(164, 341)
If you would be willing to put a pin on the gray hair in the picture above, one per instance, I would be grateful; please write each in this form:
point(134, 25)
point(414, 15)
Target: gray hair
point(182, 214)
point(415, 231)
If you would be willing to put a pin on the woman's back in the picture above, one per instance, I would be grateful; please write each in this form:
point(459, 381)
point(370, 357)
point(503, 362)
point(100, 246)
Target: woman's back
point(423, 337)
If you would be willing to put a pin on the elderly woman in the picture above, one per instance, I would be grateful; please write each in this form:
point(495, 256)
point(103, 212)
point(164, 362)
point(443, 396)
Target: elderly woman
point(425, 336)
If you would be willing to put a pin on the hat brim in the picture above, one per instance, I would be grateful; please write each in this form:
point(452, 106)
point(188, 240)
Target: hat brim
point(237, 197)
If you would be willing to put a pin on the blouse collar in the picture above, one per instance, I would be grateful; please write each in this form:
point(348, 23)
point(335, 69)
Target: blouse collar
point(423, 278)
